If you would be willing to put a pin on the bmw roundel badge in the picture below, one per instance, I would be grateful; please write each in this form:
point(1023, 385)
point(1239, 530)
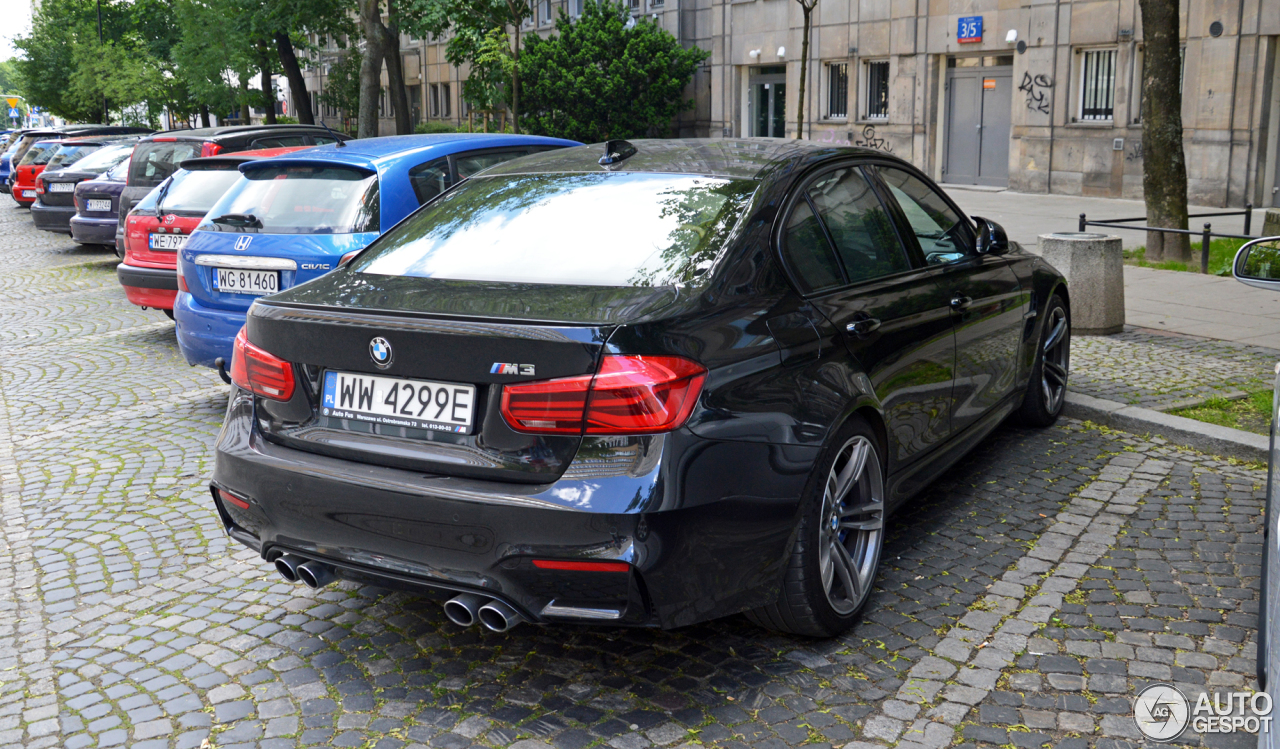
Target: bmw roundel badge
point(380, 352)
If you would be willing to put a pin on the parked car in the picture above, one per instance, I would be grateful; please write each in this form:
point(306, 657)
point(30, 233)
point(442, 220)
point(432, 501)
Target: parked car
point(10, 147)
point(157, 157)
point(645, 384)
point(162, 222)
point(33, 162)
point(31, 136)
point(97, 203)
point(293, 218)
point(75, 161)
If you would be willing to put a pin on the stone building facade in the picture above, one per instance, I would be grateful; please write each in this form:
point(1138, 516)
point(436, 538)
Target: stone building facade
point(1034, 95)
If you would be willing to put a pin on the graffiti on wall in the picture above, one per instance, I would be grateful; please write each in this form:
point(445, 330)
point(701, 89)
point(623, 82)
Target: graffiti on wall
point(871, 140)
point(1037, 90)
point(1134, 151)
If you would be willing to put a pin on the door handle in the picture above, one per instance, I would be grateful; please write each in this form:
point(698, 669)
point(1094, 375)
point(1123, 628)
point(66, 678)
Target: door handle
point(863, 325)
point(960, 301)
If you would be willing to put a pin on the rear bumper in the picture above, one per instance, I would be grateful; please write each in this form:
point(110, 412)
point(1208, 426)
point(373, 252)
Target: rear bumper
point(93, 230)
point(148, 287)
point(54, 218)
point(706, 532)
point(18, 195)
point(205, 334)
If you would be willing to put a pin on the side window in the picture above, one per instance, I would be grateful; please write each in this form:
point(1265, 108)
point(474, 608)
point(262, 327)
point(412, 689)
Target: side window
point(323, 140)
point(278, 141)
point(807, 252)
point(944, 235)
point(430, 179)
point(470, 164)
point(860, 229)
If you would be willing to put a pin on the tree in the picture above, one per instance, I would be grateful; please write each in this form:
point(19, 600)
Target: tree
point(343, 91)
point(599, 80)
point(806, 6)
point(1164, 166)
point(382, 45)
point(472, 23)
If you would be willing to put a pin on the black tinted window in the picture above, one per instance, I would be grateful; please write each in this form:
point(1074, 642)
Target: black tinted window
point(622, 229)
point(279, 141)
point(943, 234)
point(154, 162)
point(471, 164)
point(807, 251)
point(430, 179)
point(860, 229)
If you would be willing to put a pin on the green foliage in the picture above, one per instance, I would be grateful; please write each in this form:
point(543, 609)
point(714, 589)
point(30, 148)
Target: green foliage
point(10, 82)
point(343, 91)
point(478, 38)
point(284, 119)
point(430, 128)
point(597, 80)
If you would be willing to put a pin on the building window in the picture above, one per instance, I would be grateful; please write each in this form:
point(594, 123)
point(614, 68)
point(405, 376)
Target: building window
point(545, 11)
point(656, 3)
point(1098, 85)
point(838, 90)
point(635, 6)
point(446, 102)
point(433, 106)
point(575, 8)
point(877, 89)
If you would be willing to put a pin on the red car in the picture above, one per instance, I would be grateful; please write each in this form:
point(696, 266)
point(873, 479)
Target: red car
point(159, 225)
point(32, 164)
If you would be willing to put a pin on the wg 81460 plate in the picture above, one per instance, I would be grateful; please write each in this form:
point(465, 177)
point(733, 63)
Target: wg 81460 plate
point(395, 401)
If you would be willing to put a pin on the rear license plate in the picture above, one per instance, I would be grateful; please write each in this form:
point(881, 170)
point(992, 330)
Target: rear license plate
point(240, 281)
point(444, 406)
point(28, 193)
point(61, 186)
point(98, 205)
point(167, 241)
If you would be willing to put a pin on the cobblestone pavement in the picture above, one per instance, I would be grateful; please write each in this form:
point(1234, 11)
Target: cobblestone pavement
point(1020, 599)
point(1162, 371)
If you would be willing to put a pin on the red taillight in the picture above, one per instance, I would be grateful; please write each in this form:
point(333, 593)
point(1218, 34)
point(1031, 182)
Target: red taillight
point(210, 149)
point(349, 257)
point(629, 395)
point(182, 280)
point(39, 187)
point(576, 566)
point(259, 372)
point(233, 499)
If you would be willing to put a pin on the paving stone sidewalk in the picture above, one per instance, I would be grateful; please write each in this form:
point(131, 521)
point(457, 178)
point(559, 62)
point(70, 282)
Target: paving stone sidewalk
point(1163, 371)
point(128, 619)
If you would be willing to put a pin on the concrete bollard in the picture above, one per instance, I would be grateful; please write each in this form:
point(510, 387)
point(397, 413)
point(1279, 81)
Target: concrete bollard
point(1094, 267)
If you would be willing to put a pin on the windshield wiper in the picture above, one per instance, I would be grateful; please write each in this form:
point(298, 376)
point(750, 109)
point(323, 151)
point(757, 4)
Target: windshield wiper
point(239, 219)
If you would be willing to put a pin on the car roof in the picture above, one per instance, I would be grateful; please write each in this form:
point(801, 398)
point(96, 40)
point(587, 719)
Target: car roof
point(374, 153)
point(735, 158)
point(239, 157)
point(213, 133)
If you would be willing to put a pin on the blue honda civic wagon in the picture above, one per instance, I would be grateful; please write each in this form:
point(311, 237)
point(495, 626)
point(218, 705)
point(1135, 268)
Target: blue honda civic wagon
point(292, 218)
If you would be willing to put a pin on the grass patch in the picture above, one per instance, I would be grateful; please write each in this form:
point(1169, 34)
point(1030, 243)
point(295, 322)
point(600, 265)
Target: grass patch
point(1252, 414)
point(1221, 253)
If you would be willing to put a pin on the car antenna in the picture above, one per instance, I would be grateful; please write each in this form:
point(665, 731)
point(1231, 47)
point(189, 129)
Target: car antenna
point(337, 141)
point(615, 151)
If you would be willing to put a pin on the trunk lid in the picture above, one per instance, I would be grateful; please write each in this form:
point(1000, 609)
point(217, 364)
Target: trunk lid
point(61, 196)
point(458, 334)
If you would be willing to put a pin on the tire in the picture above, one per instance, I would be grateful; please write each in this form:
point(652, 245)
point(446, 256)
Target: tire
point(168, 313)
point(821, 595)
point(1047, 391)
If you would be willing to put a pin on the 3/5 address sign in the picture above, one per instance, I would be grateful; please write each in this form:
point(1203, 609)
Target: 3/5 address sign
point(969, 29)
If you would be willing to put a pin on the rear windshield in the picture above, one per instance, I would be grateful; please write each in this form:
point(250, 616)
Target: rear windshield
point(621, 229)
point(39, 153)
point(195, 191)
point(299, 200)
point(154, 162)
point(103, 159)
point(66, 155)
point(119, 172)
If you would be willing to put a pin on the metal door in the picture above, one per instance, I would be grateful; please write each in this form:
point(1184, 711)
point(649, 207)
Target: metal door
point(768, 102)
point(979, 101)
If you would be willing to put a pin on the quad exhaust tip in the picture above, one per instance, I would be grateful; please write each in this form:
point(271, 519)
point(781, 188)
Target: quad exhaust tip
point(316, 574)
point(288, 565)
point(497, 616)
point(463, 610)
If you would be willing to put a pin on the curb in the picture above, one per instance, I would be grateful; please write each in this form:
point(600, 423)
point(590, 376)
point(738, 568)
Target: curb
point(1207, 438)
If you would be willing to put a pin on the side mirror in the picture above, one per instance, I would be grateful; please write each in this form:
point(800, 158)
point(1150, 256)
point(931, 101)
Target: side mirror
point(992, 239)
point(1257, 263)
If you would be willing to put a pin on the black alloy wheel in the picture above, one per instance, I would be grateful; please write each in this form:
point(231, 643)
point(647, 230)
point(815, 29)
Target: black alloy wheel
point(1047, 391)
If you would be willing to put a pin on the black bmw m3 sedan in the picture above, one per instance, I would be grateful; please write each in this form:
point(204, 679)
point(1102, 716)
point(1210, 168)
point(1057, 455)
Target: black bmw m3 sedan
point(647, 383)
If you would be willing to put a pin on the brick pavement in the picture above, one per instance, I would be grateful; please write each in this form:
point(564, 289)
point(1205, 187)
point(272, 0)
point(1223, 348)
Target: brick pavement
point(127, 619)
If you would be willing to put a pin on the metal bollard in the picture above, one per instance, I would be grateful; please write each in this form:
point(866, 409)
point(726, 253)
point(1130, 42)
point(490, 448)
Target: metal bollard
point(1248, 217)
point(1205, 239)
point(1083, 224)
